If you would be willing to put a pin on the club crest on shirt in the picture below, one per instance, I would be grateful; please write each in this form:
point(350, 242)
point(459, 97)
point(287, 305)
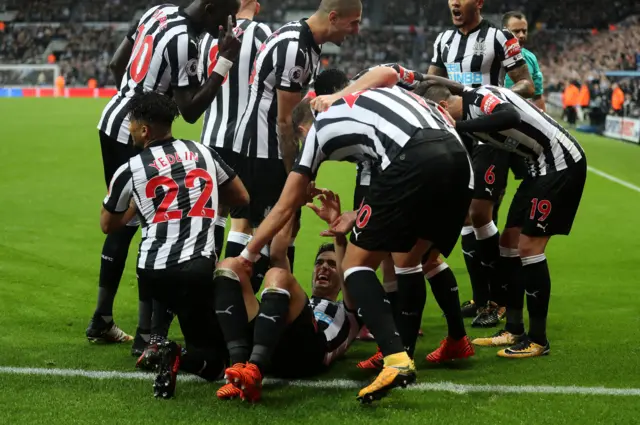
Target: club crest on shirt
point(478, 47)
point(296, 74)
point(191, 68)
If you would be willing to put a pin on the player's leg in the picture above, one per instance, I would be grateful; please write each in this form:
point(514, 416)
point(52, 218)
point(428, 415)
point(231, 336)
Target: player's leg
point(491, 169)
point(231, 158)
point(114, 255)
point(509, 271)
point(554, 202)
point(282, 302)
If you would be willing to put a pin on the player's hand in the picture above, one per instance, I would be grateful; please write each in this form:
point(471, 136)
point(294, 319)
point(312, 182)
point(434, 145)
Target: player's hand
point(229, 44)
point(330, 209)
point(312, 192)
point(343, 224)
point(322, 103)
point(243, 264)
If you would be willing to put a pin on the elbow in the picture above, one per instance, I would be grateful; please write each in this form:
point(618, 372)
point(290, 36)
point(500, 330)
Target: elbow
point(104, 226)
point(514, 118)
point(243, 199)
point(190, 118)
point(388, 77)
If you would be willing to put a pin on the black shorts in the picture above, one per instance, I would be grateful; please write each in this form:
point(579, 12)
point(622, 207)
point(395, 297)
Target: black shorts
point(518, 165)
point(264, 180)
point(241, 167)
point(231, 158)
point(423, 194)
point(365, 174)
point(114, 154)
point(187, 290)
point(302, 349)
point(491, 171)
point(547, 205)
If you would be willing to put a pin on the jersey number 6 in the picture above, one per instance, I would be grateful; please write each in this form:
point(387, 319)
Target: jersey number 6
point(199, 208)
point(142, 53)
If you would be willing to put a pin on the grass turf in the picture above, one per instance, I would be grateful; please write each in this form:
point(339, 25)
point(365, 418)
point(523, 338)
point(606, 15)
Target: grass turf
point(52, 186)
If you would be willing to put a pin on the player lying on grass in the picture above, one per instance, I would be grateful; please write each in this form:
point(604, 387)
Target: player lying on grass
point(288, 335)
point(174, 185)
point(415, 144)
point(545, 203)
point(437, 272)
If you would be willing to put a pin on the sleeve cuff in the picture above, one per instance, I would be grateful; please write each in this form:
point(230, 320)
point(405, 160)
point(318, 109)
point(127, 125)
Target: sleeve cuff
point(113, 210)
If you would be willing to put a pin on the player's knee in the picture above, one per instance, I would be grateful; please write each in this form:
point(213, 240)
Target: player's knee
point(230, 268)
point(481, 212)
point(279, 278)
point(241, 225)
point(531, 246)
point(431, 264)
point(510, 238)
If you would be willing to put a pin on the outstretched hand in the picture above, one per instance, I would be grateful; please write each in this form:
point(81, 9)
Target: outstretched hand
point(330, 209)
point(229, 43)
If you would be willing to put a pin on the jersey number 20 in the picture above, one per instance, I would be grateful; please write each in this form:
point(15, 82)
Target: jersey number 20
point(199, 208)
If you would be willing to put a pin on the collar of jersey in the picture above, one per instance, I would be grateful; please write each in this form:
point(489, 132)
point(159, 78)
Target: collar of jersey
point(161, 142)
point(309, 35)
point(482, 23)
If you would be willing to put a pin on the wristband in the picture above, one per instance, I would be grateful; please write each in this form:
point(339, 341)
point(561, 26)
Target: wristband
point(223, 65)
point(249, 256)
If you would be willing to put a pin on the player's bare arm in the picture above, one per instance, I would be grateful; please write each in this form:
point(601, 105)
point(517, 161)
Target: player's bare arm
point(233, 193)
point(523, 83)
point(120, 60)
point(194, 101)
point(294, 196)
point(382, 76)
point(287, 101)
point(112, 222)
point(437, 71)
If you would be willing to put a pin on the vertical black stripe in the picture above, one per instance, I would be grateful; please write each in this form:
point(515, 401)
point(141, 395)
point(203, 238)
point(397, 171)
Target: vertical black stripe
point(477, 60)
point(496, 65)
point(178, 173)
point(147, 158)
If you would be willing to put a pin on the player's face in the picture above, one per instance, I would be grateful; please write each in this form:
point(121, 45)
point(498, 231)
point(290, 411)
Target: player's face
point(464, 12)
point(453, 107)
point(519, 28)
point(216, 15)
point(343, 26)
point(325, 273)
point(139, 133)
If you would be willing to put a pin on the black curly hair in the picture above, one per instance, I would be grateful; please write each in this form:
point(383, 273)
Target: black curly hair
point(153, 108)
point(330, 81)
point(326, 247)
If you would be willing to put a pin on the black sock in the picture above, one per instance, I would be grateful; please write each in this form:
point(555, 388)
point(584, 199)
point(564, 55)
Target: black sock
point(218, 235)
point(114, 258)
point(488, 251)
point(206, 364)
point(391, 291)
point(160, 321)
point(260, 269)
point(232, 315)
point(509, 267)
point(236, 243)
point(410, 302)
point(537, 285)
point(375, 309)
point(269, 326)
point(291, 255)
point(145, 307)
point(445, 291)
point(478, 277)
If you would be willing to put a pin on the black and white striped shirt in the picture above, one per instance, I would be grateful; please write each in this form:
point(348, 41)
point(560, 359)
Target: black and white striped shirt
point(174, 184)
point(546, 145)
point(222, 117)
point(408, 80)
point(481, 57)
point(371, 125)
point(287, 61)
point(340, 326)
point(164, 56)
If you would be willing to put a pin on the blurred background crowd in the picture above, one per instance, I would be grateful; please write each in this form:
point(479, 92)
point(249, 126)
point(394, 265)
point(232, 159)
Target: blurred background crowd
point(576, 41)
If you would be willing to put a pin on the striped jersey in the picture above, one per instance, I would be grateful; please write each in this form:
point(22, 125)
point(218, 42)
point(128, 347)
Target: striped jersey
point(174, 184)
point(408, 80)
point(164, 56)
point(545, 144)
point(221, 118)
point(288, 61)
point(371, 125)
point(481, 57)
point(340, 326)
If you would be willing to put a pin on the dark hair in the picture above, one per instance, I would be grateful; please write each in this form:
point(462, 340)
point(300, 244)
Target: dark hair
point(330, 81)
point(512, 14)
point(301, 115)
point(433, 92)
point(326, 247)
point(153, 108)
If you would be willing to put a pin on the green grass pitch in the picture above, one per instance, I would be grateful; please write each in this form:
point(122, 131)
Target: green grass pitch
point(51, 189)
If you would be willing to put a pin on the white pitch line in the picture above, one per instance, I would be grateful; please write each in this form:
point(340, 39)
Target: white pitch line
point(614, 179)
point(343, 383)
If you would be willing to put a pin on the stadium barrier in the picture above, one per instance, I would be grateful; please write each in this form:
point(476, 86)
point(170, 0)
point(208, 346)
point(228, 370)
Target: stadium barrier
point(73, 92)
point(622, 128)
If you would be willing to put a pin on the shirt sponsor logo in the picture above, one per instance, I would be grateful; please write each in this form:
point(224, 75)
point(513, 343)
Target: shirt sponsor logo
point(467, 78)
